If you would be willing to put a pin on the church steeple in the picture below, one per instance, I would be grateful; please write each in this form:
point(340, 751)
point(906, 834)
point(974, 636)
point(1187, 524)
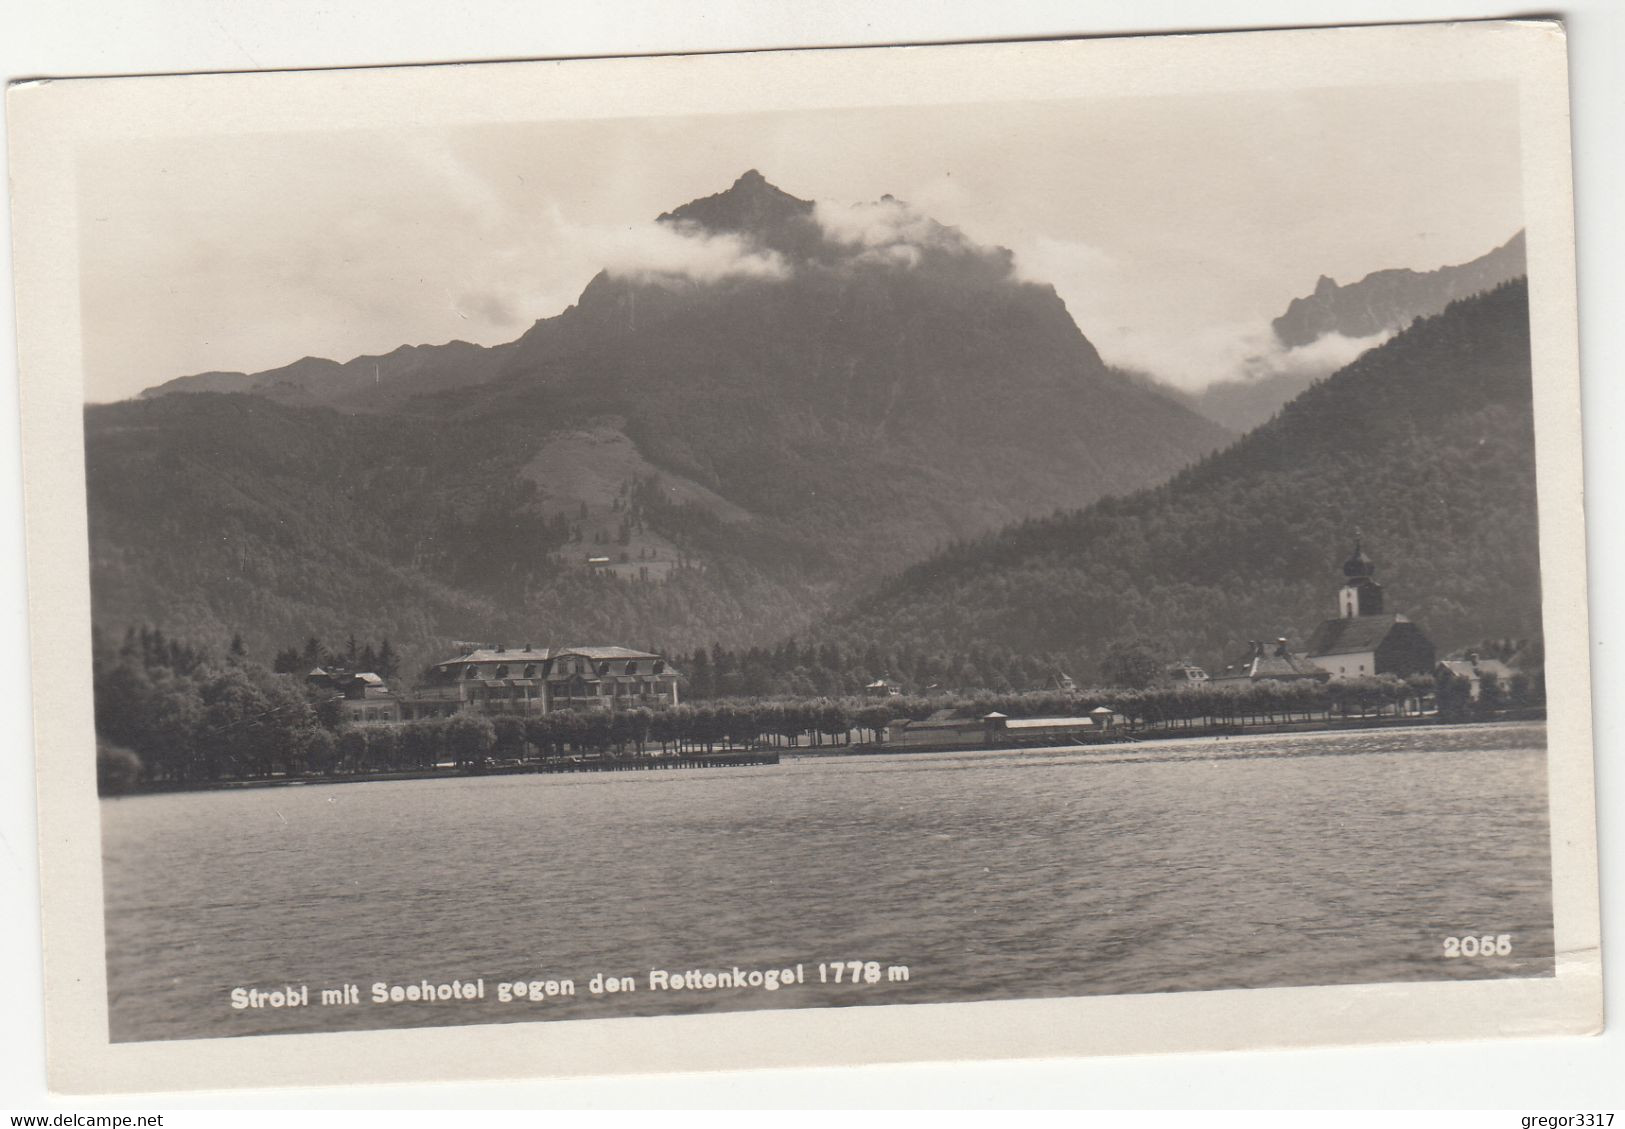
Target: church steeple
point(1360, 594)
point(1358, 563)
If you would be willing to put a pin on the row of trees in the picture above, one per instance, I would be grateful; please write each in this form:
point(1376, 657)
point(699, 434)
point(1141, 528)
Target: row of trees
point(171, 714)
point(188, 716)
point(471, 742)
point(808, 670)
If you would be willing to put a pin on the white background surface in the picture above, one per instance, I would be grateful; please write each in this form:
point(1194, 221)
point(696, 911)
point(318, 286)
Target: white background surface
point(155, 36)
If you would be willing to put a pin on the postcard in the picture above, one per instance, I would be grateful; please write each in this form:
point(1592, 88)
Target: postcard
point(807, 558)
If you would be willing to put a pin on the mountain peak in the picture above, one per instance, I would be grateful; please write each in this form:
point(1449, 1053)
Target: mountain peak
point(751, 206)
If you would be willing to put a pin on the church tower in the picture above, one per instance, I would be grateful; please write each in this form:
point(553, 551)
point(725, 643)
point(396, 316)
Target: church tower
point(1360, 594)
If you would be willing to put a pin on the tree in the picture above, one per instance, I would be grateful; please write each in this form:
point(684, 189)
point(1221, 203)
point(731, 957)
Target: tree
point(874, 719)
point(389, 663)
point(118, 770)
point(382, 747)
point(420, 745)
point(542, 734)
point(508, 735)
point(321, 751)
point(834, 720)
point(1453, 693)
point(352, 749)
point(469, 740)
point(1132, 663)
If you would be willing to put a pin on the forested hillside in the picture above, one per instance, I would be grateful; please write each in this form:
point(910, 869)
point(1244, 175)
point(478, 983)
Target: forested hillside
point(1425, 444)
point(683, 457)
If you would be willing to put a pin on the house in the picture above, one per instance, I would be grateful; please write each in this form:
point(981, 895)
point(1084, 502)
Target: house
point(532, 680)
point(1183, 673)
point(882, 687)
point(361, 698)
point(1473, 670)
point(1273, 662)
point(1364, 640)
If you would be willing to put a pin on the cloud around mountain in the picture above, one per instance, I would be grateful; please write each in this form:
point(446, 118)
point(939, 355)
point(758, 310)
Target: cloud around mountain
point(753, 230)
point(657, 252)
point(1245, 352)
point(890, 232)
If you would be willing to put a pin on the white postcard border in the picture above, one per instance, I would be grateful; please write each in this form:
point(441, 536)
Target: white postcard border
point(49, 120)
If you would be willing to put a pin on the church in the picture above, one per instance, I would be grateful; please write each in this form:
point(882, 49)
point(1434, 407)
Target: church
point(1364, 639)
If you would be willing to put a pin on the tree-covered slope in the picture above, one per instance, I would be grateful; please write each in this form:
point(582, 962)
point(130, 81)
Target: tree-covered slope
point(216, 515)
point(808, 402)
point(1424, 444)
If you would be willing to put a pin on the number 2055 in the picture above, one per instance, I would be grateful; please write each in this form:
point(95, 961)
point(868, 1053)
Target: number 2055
point(1497, 945)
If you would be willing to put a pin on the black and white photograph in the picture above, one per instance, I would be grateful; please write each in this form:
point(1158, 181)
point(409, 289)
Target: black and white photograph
point(571, 545)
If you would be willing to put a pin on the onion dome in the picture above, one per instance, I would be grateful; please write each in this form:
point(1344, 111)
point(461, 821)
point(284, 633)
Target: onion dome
point(1358, 563)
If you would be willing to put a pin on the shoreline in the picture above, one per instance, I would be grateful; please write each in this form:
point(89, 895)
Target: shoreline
point(1192, 733)
point(737, 758)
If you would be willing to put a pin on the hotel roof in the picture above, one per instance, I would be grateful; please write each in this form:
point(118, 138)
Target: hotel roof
point(510, 655)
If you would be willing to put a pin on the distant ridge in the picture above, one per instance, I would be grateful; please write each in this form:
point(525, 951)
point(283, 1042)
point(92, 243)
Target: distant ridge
point(1391, 299)
point(1380, 303)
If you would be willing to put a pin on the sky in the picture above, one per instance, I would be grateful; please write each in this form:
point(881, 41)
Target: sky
point(1174, 228)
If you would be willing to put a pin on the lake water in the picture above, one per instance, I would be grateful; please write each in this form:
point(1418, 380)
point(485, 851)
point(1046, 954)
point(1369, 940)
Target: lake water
point(1169, 866)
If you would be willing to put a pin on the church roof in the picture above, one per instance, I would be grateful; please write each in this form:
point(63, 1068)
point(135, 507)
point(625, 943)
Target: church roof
point(1353, 635)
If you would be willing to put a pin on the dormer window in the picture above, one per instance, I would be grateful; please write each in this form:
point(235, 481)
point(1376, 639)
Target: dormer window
point(501, 671)
point(530, 669)
point(471, 671)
